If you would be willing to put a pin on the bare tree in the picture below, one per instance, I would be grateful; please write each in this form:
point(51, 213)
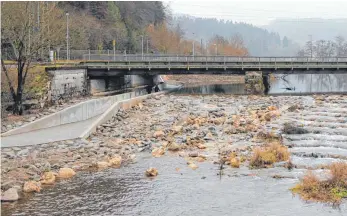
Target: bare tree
point(30, 28)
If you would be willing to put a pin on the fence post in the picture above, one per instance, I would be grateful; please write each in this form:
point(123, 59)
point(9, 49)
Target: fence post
point(89, 54)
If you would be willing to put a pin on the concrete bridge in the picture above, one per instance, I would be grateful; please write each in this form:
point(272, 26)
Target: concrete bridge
point(104, 73)
point(108, 65)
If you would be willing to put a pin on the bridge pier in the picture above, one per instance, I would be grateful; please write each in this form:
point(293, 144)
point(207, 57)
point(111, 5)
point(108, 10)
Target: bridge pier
point(254, 82)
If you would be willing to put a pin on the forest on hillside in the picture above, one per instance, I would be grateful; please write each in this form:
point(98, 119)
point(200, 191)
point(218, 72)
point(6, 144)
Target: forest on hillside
point(300, 30)
point(92, 25)
point(96, 25)
point(259, 42)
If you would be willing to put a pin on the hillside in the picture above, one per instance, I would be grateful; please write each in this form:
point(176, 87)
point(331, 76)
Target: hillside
point(259, 42)
point(320, 29)
point(95, 24)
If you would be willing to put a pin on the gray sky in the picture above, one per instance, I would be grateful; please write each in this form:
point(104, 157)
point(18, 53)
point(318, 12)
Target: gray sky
point(260, 12)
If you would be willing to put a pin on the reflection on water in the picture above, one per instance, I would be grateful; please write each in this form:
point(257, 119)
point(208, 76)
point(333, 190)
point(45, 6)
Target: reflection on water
point(213, 89)
point(309, 83)
point(282, 84)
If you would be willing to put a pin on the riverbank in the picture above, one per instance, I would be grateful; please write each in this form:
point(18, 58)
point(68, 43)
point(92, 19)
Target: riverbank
point(199, 129)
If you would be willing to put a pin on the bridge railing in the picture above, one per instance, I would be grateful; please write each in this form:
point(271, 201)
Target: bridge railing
point(180, 58)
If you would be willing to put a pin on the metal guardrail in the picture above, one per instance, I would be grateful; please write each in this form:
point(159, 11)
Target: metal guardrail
point(180, 58)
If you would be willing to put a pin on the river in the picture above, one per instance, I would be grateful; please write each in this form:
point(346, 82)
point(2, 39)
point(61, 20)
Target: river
point(179, 190)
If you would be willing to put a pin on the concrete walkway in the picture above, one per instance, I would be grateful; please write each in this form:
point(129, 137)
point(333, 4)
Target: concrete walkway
point(52, 134)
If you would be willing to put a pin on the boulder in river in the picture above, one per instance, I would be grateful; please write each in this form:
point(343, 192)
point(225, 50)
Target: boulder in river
point(32, 186)
point(151, 172)
point(157, 152)
point(66, 173)
point(115, 161)
point(10, 195)
point(48, 178)
point(102, 164)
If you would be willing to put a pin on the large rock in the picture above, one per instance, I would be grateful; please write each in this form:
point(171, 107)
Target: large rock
point(157, 152)
point(102, 164)
point(151, 172)
point(66, 173)
point(32, 186)
point(10, 195)
point(48, 178)
point(115, 161)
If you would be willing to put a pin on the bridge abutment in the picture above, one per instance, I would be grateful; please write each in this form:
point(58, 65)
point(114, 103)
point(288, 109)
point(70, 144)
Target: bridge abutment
point(254, 83)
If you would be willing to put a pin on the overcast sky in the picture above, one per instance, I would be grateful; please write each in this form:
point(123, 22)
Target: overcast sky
point(260, 12)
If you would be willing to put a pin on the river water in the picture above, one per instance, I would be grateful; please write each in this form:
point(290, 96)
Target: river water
point(294, 84)
point(127, 191)
point(179, 190)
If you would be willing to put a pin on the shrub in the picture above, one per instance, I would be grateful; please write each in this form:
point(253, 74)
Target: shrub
point(264, 157)
point(234, 160)
point(330, 190)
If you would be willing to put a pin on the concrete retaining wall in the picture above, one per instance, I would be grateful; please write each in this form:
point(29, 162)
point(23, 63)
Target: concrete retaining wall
point(79, 112)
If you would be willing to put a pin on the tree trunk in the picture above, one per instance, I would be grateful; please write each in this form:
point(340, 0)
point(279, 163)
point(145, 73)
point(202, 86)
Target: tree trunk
point(18, 104)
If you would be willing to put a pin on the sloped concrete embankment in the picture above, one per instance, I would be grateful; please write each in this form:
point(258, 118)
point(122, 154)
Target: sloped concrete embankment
point(74, 122)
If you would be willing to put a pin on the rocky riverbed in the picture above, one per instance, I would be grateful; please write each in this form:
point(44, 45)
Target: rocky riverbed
point(200, 129)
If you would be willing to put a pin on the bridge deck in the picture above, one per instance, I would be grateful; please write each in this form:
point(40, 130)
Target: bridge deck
point(109, 65)
point(215, 65)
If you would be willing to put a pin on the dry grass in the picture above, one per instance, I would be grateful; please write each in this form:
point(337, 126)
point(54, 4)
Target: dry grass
point(36, 80)
point(331, 190)
point(234, 160)
point(266, 156)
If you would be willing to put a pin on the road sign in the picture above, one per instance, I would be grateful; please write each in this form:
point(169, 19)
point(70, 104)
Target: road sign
point(114, 43)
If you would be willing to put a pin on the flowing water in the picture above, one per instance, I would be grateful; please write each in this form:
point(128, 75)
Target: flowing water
point(127, 191)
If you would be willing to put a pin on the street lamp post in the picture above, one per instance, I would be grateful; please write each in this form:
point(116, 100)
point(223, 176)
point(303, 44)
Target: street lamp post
point(67, 37)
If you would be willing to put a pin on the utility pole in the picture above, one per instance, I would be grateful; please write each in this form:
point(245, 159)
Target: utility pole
point(67, 37)
point(142, 46)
